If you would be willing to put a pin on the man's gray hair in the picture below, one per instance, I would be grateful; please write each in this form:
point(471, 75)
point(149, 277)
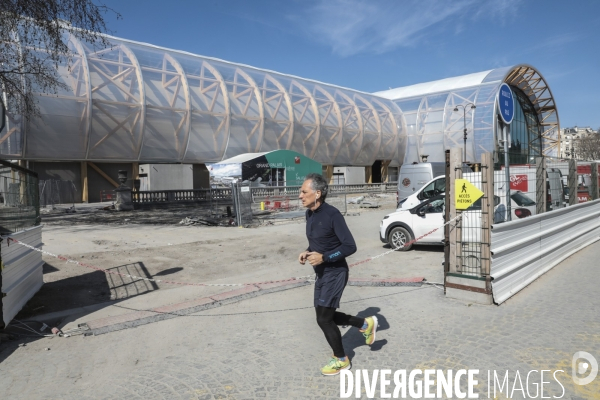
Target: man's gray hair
point(317, 182)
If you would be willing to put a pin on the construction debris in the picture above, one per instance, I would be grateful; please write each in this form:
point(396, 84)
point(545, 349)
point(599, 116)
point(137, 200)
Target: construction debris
point(356, 200)
point(369, 204)
point(187, 221)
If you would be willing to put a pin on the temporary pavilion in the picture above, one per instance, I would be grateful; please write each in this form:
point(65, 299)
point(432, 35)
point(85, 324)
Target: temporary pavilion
point(436, 113)
point(135, 103)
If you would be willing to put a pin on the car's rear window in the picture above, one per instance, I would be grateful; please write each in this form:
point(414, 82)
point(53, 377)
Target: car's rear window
point(522, 200)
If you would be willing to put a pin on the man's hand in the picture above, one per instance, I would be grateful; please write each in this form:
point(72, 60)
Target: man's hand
point(314, 258)
point(302, 257)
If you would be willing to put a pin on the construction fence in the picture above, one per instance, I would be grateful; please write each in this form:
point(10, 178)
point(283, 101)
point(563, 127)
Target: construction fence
point(19, 198)
point(510, 193)
point(55, 191)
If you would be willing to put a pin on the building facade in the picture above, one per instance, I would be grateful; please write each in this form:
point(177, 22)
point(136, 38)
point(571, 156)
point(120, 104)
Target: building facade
point(135, 103)
point(570, 141)
point(435, 120)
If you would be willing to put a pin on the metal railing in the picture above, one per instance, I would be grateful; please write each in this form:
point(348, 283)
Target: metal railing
point(191, 195)
point(258, 193)
point(523, 250)
point(268, 191)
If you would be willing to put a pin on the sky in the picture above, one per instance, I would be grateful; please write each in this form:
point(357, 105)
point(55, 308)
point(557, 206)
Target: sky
point(374, 45)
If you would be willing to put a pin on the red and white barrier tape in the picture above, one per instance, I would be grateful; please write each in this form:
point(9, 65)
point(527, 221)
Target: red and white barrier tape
point(406, 244)
point(67, 260)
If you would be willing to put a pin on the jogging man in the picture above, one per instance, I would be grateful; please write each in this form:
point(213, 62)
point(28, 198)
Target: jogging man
point(329, 243)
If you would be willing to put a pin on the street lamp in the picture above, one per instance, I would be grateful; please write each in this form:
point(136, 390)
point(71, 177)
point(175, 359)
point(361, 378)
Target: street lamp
point(2, 114)
point(464, 107)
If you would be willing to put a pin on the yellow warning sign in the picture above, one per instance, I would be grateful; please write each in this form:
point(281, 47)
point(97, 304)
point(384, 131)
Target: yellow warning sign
point(465, 194)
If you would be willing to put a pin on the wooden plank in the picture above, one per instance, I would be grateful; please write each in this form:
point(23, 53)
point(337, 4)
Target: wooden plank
point(487, 214)
point(329, 173)
point(84, 183)
point(540, 183)
point(455, 230)
point(369, 174)
point(385, 170)
point(103, 174)
point(572, 182)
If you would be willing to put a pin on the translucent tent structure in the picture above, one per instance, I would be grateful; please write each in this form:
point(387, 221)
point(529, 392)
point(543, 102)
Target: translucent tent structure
point(433, 126)
point(134, 102)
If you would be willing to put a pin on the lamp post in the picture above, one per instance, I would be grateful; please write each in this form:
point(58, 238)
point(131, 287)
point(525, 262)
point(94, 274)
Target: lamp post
point(2, 114)
point(464, 107)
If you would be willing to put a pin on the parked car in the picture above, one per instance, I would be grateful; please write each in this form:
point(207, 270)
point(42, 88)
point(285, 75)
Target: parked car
point(404, 225)
point(521, 205)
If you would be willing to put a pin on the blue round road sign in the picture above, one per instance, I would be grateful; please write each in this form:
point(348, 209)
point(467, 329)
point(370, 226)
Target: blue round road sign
point(506, 103)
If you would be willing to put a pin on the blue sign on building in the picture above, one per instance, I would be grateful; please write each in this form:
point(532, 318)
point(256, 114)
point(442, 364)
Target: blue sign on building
point(506, 103)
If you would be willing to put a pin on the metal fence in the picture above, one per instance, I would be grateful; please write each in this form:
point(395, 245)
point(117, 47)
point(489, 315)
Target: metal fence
point(470, 251)
point(551, 184)
point(242, 203)
point(258, 193)
point(21, 275)
point(170, 196)
point(523, 250)
point(542, 199)
point(19, 198)
point(54, 191)
point(467, 262)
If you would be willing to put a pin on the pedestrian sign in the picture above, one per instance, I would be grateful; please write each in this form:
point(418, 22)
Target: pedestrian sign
point(465, 194)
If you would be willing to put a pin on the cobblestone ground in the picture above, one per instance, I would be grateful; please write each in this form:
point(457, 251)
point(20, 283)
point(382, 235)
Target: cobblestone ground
point(242, 351)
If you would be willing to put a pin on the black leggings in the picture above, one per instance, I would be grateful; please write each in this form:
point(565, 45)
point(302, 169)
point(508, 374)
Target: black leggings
point(328, 320)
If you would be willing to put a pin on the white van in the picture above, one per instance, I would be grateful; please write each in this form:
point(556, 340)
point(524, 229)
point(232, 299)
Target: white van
point(414, 176)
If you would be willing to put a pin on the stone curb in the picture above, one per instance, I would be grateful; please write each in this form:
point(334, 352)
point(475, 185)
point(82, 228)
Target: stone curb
point(417, 281)
point(137, 318)
point(144, 317)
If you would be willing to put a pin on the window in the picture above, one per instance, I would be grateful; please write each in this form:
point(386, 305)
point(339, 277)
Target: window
point(522, 200)
point(433, 189)
point(436, 206)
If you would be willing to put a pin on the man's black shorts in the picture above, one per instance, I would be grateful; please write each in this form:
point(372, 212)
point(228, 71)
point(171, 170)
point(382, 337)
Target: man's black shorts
point(330, 286)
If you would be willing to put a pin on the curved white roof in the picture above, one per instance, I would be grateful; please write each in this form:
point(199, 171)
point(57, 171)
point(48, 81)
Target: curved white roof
point(443, 85)
point(242, 158)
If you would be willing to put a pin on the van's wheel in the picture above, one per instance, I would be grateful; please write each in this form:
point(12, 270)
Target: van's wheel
point(398, 237)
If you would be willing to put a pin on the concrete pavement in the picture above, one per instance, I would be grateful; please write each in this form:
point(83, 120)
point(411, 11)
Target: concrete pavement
point(270, 346)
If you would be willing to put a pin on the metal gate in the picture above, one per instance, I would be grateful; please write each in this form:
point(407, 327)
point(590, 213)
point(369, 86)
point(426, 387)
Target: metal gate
point(467, 238)
point(242, 203)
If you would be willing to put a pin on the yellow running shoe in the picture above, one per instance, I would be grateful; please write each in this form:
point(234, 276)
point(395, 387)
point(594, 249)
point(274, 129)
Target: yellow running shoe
point(369, 333)
point(335, 365)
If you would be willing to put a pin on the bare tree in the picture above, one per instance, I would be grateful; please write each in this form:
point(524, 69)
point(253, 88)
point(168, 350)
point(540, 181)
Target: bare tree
point(34, 37)
point(587, 147)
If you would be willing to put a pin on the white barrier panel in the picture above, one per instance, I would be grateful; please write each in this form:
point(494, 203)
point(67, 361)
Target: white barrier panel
point(21, 269)
point(523, 250)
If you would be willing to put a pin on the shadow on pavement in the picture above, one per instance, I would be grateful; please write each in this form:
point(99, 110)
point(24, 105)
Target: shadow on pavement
point(94, 288)
point(420, 247)
point(353, 338)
